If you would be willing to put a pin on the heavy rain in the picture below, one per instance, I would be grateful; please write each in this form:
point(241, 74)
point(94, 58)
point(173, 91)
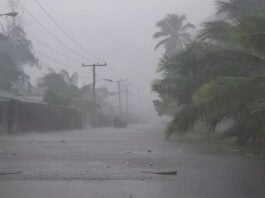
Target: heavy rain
point(132, 98)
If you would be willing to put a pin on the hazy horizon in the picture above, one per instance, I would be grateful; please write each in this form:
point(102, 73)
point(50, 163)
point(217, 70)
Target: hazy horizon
point(117, 31)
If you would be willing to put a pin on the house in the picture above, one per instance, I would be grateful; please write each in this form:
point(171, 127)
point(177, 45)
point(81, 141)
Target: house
point(21, 114)
point(6, 99)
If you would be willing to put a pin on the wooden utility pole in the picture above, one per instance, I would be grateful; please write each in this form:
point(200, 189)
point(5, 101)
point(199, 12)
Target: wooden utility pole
point(119, 93)
point(94, 77)
point(127, 102)
point(94, 87)
point(140, 98)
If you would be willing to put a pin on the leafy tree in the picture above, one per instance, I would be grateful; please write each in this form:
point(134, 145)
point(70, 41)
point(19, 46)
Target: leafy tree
point(57, 88)
point(221, 75)
point(53, 98)
point(15, 50)
point(71, 80)
point(9, 72)
point(61, 89)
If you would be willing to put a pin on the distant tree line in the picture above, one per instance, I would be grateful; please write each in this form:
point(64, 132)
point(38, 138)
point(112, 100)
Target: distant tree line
point(60, 88)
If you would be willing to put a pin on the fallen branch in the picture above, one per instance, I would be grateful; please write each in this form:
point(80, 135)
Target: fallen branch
point(10, 173)
point(161, 172)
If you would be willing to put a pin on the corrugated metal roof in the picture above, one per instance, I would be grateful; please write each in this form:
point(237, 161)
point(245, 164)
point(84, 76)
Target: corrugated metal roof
point(3, 99)
point(5, 96)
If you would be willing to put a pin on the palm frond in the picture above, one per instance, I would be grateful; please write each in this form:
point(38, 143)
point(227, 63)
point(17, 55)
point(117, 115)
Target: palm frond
point(162, 42)
point(218, 30)
point(235, 9)
point(159, 34)
point(187, 26)
point(183, 120)
point(251, 33)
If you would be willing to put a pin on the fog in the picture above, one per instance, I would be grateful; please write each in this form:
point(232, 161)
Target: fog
point(117, 31)
point(132, 98)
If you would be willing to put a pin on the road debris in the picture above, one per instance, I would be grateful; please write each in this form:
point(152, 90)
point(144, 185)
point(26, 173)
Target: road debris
point(249, 154)
point(10, 173)
point(236, 150)
point(161, 172)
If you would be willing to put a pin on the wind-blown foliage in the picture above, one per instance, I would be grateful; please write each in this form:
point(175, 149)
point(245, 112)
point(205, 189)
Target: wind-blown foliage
point(15, 51)
point(60, 89)
point(57, 88)
point(174, 32)
point(221, 74)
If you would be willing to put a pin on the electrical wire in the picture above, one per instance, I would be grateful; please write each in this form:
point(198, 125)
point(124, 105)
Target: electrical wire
point(51, 34)
point(65, 32)
point(57, 61)
point(53, 49)
point(71, 37)
point(58, 40)
point(49, 67)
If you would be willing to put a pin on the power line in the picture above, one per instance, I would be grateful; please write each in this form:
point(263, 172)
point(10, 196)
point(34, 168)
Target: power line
point(53, 49)
point(114, 71)
point(49, 67)
point(56, 38)
point(94, 76)
point(56, 61)
point(57, 51)
point(66, 33)
point(51, 34)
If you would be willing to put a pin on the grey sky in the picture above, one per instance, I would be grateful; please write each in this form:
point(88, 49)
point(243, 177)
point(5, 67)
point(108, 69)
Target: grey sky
point(118, 31)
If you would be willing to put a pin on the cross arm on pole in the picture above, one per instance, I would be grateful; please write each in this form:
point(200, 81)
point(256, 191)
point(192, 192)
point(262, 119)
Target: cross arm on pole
point(95, 65)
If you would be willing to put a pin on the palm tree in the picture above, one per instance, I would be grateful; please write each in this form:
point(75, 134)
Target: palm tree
point(174, 31)
point(223, 75)
point(242, 25)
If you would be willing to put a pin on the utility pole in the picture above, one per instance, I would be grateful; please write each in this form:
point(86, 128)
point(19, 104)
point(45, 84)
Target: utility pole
point(94, 85)
point(140, 98)
point(127, 102)
point(119, 92)
point(94, 77)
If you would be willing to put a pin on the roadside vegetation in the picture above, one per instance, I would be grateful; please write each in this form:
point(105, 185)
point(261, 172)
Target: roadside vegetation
point(217, 75)
point(60, 88)
point(57, 88)
point(16, 51)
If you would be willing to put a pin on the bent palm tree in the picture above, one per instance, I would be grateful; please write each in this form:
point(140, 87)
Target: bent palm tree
point(173, 30)
point(223, 75)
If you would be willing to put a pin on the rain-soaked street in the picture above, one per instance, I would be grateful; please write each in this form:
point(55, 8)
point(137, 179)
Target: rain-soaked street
point(110, 163)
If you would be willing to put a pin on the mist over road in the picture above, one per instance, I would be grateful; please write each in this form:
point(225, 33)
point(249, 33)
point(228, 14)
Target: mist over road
point(107, 162)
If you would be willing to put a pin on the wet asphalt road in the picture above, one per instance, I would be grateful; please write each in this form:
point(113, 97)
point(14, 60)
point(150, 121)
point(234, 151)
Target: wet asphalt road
point(109, 163)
